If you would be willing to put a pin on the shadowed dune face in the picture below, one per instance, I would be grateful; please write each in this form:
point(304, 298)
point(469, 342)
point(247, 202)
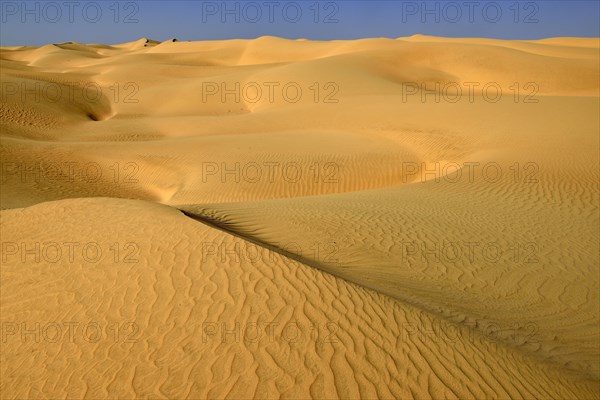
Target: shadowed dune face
point(397, 218)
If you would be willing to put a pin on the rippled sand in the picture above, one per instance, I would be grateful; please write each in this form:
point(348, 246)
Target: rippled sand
point(409, 218)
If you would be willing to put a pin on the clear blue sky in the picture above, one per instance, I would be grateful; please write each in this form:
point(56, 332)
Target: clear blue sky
point(109, 21)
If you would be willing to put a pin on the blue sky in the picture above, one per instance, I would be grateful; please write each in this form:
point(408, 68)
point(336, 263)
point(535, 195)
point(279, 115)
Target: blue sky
point(109, 21)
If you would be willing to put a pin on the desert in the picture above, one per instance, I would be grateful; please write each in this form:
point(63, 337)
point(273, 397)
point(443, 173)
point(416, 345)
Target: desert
point(271, 218)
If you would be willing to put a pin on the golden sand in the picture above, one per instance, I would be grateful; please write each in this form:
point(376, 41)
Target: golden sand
point(408, 218)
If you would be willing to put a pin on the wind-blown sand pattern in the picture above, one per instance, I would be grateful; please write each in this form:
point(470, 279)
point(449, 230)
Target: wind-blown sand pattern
point(357, 290)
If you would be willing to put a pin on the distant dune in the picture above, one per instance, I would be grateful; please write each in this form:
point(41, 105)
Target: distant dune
point(378, 218)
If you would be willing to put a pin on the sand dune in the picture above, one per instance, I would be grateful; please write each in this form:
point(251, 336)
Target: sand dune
point(344, 219)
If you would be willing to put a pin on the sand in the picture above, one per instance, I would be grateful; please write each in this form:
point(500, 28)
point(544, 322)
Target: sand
point(395, 231)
